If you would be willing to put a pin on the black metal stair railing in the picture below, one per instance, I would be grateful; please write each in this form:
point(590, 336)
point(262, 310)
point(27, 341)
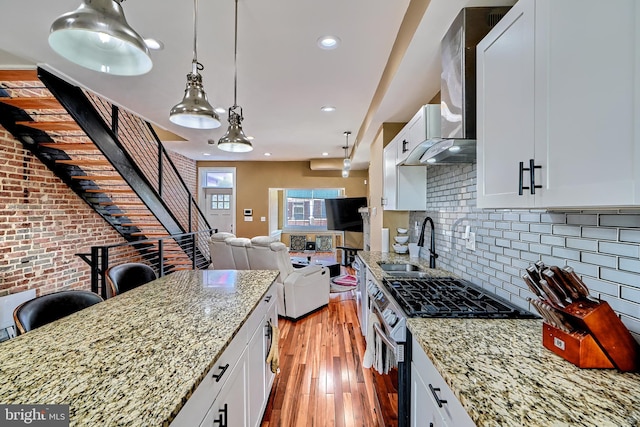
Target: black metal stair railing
point(140, 159)
point(152, 252)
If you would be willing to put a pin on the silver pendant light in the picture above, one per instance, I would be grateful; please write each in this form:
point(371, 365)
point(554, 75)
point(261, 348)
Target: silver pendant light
point(97, 36)
point(194, 111)
point(235, 140)
point(346, 163)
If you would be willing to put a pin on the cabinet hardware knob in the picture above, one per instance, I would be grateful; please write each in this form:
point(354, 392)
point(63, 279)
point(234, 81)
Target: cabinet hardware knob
point(223, 369)
point(267, 298)
point(435, 395)
point(404, 145)
point(520, 173)
point(222, 417)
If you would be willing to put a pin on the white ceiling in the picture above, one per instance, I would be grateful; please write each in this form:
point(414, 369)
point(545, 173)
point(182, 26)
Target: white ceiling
point(283, 77)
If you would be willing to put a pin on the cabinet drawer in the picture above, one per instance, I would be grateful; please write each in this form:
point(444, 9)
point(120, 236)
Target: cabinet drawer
point(195, 409)
point(255, 320)
point(452, 411)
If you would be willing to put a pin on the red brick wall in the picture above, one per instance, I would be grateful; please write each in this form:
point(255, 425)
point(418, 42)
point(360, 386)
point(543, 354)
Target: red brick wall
point(188, 169)
point(43, 224)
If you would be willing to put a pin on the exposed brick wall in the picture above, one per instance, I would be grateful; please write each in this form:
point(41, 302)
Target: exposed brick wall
point(188, 170)
point(43, 224)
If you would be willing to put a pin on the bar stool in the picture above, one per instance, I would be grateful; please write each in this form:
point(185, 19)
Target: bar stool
point(47, 308)
point(124, 277)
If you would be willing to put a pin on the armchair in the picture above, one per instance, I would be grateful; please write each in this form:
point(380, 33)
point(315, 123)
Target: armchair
point(300, 290)
point(221, 256)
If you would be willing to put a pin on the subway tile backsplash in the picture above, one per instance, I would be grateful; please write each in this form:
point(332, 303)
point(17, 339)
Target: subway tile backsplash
point(602, 246)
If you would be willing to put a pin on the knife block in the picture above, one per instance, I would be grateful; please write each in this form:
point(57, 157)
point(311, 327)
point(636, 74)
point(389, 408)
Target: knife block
point(599, 332)
point(578, 348)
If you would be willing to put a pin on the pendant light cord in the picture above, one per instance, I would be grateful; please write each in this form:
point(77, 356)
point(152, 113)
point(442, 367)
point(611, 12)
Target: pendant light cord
point(235, 60)
point(196, 65)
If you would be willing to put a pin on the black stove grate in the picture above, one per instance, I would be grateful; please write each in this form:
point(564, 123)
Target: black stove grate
point(451, 298)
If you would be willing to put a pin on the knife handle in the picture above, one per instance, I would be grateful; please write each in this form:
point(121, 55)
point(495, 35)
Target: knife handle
point(537, 304)
point(566, 284)
point(551, 294)
point(533, 273)
point(551, 278)
point(560, 318)
point(578, 284)
point(532, 285)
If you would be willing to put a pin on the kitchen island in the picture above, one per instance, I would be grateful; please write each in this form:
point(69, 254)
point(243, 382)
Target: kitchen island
point(134, 359)
point(503, 376)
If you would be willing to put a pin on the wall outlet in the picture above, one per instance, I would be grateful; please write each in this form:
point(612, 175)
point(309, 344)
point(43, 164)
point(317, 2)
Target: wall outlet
point(471, 242)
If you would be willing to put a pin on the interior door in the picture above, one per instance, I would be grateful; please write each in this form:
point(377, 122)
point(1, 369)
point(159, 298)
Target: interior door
point(219, 208)
point(217, 197)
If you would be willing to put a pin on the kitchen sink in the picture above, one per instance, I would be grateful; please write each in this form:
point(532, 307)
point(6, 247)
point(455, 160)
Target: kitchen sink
point(393, 268)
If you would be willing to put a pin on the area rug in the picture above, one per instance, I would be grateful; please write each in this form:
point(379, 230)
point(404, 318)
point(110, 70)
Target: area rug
point(344, 283)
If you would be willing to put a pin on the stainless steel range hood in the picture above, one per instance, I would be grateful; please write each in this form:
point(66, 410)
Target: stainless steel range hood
point(458, 86)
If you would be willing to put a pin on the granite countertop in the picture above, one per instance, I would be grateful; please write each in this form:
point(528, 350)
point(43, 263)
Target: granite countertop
point(503, 376)
point(136, 358)
point(372, 259)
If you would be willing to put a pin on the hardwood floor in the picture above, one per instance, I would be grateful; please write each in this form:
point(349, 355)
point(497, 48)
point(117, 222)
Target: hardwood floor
point(321, 380)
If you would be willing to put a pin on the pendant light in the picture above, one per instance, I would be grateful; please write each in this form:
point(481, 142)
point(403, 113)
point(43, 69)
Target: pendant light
point(235, 140)
point(97, 36)
point(346, 163)
point(194, 111)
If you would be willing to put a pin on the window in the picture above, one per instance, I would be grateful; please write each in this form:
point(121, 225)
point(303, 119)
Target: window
point(218, 180)
point(220, 201)
point(304, 208)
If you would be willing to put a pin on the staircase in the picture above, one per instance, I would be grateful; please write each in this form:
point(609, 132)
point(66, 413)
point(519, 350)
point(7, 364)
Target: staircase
point(113, 160)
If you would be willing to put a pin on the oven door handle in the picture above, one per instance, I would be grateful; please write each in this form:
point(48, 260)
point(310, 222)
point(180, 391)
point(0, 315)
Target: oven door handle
point(383, 336)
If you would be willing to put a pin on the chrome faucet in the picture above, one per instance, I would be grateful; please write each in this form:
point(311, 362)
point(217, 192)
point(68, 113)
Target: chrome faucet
point(432, 251)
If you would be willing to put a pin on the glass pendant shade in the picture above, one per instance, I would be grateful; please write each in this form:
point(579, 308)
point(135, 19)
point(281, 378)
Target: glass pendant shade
point(345, 173)
point(194, 111)
point(97, 36)
point(234, 140)
point(346, 163)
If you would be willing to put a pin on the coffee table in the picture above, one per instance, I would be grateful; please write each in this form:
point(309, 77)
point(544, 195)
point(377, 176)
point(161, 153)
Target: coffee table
point(300, 262)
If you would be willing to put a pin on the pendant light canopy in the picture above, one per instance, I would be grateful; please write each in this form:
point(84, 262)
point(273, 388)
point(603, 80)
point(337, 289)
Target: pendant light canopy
point(235, 140)
point(195, 111)
point(97, 36)
point(346, 163)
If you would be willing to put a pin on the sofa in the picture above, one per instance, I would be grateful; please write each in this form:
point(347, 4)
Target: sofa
point(300, 290)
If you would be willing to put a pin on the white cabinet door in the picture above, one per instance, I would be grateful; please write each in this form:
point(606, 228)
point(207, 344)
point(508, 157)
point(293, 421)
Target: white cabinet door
point(586, 121)
point(440, 397)
point(424, 412)
point(272, 316)
point(545, 96)
point(505, 94)
point(230, 407)
point(389, 176)
point(257, 374)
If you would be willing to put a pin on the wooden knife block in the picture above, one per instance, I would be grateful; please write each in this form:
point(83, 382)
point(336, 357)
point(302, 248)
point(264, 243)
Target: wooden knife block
point(578, 348)
point(600, 341)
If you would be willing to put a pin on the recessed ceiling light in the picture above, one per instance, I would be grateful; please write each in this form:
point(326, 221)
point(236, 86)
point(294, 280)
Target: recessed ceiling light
point(267, 154)
point(325, 154)
point(328, 42)
point(220, 110)
point(250, 138)
point(206, 154)
point(154, 44)
point(328, 108)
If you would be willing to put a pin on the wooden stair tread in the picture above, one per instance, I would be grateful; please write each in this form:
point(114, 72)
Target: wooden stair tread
point(41, 103)
point(97, 177)
point(109, 190)
point(117, 203)
point(19, 75)
point(84, 162)
point(141, 224)
point(132, 214)
point(51, 126)
point(70, 146)
point(149, 234)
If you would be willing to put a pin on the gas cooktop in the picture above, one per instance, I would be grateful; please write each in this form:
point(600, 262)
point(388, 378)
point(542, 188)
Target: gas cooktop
point(451, 298)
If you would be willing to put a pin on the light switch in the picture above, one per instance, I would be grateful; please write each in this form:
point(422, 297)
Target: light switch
point(263, 218)
point(248, 219)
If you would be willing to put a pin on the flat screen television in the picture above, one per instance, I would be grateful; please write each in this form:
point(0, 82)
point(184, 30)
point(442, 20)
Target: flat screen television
point(343, 215)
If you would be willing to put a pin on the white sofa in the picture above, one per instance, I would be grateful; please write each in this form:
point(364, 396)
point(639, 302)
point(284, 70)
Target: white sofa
point(300, 290)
